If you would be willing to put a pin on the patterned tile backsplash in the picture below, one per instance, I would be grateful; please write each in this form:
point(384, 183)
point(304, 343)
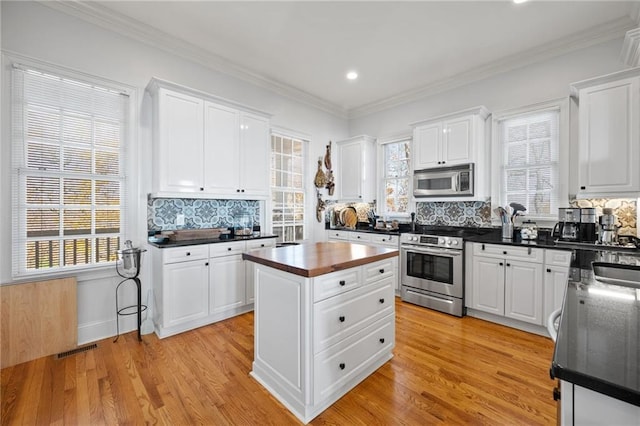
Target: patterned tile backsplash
point(198, 213)
point(454, 213)
point(625, 209)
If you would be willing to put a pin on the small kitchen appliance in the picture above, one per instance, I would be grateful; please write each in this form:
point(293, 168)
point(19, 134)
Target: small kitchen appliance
point(569, 224)
point(608, 227)
point(588, 225)
point(444, 181)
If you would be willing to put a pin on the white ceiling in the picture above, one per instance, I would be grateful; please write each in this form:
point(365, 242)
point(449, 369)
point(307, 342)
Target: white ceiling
point(400, 49)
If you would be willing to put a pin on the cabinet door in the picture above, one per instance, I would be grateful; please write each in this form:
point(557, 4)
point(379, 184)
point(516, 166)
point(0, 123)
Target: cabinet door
point(180, 140)
point(350, 170)
point(248, 267)
point(488, 285)
point(185, 292)
point(523, 291)
point(226, 283)
point(221, 149)
point(609, 129)
point(254, 155)
point(427, 146)
point(457, 146)
point(555, 284)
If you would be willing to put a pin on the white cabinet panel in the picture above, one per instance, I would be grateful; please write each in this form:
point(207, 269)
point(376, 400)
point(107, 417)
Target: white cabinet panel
point(488, 285)
point(255, 153)
point(427, 146)
point(226, 283)
point(523, 291)
point(457, 146)
point(609, 136)
point(222, 148)
point(356, 171)
point(186, 292)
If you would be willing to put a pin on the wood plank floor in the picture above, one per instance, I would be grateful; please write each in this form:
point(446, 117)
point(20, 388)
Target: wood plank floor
point(445, 370)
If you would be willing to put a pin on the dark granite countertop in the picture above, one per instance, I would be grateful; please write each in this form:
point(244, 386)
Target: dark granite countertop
point(368, 230)
point(545, 241)
point(207, 241)
point(598, 343)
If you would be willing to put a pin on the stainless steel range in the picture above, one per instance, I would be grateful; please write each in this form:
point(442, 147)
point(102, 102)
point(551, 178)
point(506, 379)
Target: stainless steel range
point(432, 271)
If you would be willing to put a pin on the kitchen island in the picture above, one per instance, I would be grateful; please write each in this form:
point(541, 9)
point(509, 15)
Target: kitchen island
point(324, 320)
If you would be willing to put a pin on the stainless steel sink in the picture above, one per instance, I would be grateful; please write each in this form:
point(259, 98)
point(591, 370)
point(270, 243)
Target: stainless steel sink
point(613, 273)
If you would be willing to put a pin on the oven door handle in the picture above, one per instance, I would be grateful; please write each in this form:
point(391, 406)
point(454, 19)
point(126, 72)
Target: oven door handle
point(448, 252)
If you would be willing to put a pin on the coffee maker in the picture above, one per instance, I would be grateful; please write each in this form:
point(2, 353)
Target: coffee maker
point(608, 228)
point(577, 224)
point(569, 224)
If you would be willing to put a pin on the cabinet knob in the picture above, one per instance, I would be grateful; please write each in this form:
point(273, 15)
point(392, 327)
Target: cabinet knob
point(242, 190)
point(201, 189)
point(504, 252)
point(501, 264)
point(261, 245)
point(508, 264)
point(342, 366)
point(556, 394)
point(583, 188)
point(237, 190)
point(358, 236)
point(548, 270)
point(188, 253)
point(229, 248)
point(341, 318)
point(206, 264)
point(342, 282)
point(382, 340)
point(381, 300)
point(382, 271)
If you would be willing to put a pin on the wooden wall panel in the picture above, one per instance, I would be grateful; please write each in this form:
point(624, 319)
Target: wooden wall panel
point(37, 319)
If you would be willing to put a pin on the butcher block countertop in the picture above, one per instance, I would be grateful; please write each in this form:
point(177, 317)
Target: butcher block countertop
point(312, 260)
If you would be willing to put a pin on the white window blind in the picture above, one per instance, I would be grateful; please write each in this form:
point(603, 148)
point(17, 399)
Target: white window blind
point(396, 169)
point(68, 140)
point(287, 188)
point(530, 152)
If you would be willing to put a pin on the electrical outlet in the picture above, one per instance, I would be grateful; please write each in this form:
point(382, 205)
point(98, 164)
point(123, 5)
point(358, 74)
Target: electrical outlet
point(180, 219)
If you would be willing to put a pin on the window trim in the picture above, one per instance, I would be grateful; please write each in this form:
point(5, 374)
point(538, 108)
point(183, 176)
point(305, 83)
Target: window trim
point(562, 106)
point(380, 202)
point(130, 223)
point(306, 144)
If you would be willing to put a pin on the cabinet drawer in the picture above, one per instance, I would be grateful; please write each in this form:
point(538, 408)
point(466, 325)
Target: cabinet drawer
point(335, 283)
point(557, 257)
point(226, 249)
point(505, 251)
point(262, 243)
point(183, 254)
point(335, 366)
point(386, 240)
point(360, 237)
point(340, 316)
point(338, 235)
point(379, 270)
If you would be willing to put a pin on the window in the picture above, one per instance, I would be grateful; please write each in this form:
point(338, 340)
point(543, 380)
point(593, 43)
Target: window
point(529, 150)
point(68, 179)
point(287, 188)
point(396, 175)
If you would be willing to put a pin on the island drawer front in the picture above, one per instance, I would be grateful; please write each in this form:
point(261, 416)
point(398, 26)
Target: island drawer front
point(337, 365)
point(184, 254)
point(340, 316)
point(335, 283)
point(387, 240)
point(508, 251)
point(226, 249)
point(557, 257)
point(379, 270)
point(360, 237)
point(261, 243)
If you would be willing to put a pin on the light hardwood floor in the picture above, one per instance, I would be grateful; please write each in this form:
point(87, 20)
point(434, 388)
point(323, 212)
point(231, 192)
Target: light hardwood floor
point(445, 370)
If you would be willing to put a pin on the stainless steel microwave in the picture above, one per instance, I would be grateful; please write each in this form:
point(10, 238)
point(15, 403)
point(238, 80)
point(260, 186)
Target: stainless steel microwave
point(452, 181)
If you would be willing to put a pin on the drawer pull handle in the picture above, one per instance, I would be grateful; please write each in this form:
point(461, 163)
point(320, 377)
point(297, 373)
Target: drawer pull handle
point(188, 253)
point(382, 271)
point(342, 366)
point(341, 318)
point(381, 300)
point(382, 340)
point(548, 270)
point(342, 282)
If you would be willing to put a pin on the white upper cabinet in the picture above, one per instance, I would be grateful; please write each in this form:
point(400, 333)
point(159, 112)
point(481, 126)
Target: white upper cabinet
point(356, 171)
point(206, 146)
point(449, 140)
point(609, 135)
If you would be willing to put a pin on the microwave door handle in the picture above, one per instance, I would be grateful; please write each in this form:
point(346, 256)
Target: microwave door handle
point(457, 182)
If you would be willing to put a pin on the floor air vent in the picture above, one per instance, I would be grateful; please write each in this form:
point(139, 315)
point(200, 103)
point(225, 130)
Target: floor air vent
point(76, 351)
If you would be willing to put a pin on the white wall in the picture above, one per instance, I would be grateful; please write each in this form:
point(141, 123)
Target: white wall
point(36, 31)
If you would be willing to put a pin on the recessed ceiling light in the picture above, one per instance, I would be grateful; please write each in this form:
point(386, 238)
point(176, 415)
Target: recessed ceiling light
point(519, 1)
point(352, 75)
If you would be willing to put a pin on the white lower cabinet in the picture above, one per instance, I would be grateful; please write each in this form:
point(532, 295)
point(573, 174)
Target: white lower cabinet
point(201, 284)
point(317, 338)
point(582, 406)
point(556, 277)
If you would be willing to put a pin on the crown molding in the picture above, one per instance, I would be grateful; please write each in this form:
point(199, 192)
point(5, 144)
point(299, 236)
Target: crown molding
point(99, 15)
point(596, 35)
point(630, 53)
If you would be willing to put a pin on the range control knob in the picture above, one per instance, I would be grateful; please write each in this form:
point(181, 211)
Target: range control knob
point(414, 238)
point(455, 242)
point(441, 241)
point(448, 242)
